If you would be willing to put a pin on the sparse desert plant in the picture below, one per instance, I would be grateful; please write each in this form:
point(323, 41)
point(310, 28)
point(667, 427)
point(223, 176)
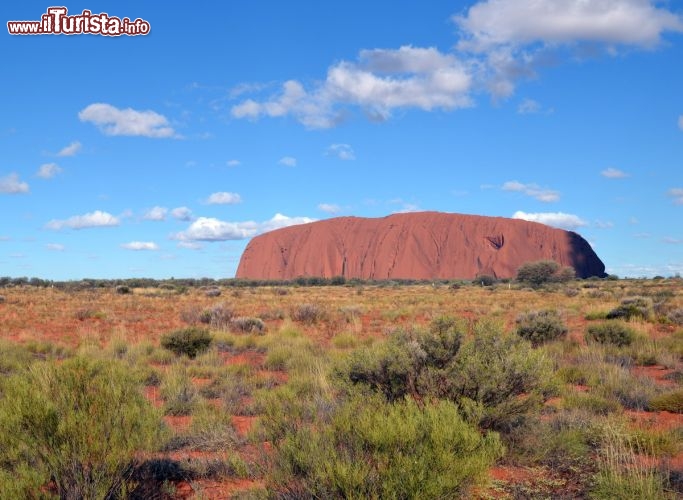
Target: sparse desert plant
point(632, 308)
point(123, 289)
point(218, 316)
point(611, 332)
point(539, 327)
point(676, 316)
point(544, 271)
point(485, 280)
point(212, 292)
point(246, 324)
point(669, 401)
point(375, 449)
point(80, 424)
point(189, 341)
point(308, 313)
point(180, 396)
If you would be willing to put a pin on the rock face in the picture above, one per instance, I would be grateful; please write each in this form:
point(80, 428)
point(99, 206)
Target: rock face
point(424, 245)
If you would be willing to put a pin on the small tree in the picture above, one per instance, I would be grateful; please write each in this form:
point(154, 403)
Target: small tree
point(544, 271)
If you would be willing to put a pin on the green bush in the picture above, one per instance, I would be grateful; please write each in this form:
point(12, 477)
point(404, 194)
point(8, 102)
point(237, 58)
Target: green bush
point(633, 307)
point(669, 401)
point(79, 424)
point(539, 327)
point(248, 325)
point(611, 332)
point(375, 449)
point(189, 341)
point(544, 271)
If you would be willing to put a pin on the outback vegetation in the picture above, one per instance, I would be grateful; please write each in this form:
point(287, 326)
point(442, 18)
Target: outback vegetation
point(536, 388)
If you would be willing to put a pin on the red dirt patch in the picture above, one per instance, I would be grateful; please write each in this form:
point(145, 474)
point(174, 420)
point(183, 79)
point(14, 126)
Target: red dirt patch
point(243, 423)
point(214, 490)
point(252, 358)
point(656, 373)
point(179, 422)
point(153, 396)
point(660, 420)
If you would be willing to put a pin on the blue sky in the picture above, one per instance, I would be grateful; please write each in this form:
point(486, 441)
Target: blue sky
point(161, 155)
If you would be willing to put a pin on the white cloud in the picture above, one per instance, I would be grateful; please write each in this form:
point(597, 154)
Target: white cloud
point(613, 173)
point(541, 194)
point(70, 150)
point(329, 208)
point(555, 219)
point(528, 107)
point(156, 213)
point(190, 245)
point(182, 213)
point(341, 151)
point(288, 161)
point(113, 121)
point(140, 245)
point(493, 23)
point(677, 195)
point(600, 224)
point(211, 229)
point(673, 241)
point(233, 163)
point(11, 184)
point(379, 82)
point(93, 219)
point(55, 247)
point(680, 122)
point(223, 198)
point(48, 170)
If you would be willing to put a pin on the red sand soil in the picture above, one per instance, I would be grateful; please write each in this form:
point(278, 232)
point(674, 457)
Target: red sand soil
point(153, 395)
point(214, 490)
point(243, 423)
point(253, 358)
point(178, 423)
point(425, 245)
point(656, 373)
point(660, 420)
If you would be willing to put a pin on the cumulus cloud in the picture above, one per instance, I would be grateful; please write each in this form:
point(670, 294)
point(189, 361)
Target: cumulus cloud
point(493, 23)
point(48, 170)
point(182, 213)
point(156, 213)
point(70, 150)
point(11, 184)
point(114, 121)
point(613, 173)
point(555, 219)
point(223, 198)
point(92, 219)
point(676, 194)
point(541, 194)
point(211, 229)
point(287, 161)
point(55, 247)
point(341, 151)
point(140, 245)
point(380, 81)
point(330, 208)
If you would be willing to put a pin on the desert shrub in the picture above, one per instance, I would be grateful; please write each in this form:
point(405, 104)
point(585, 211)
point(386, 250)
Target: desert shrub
point(218, 316)
point(499, 379)
point(676, 316)
point(375, 449)
point(539, 327)
point(212, 292)
point(544, 271)
point(593, 315)
point(122, 289)
point(485, 280)
point(632, 307)
point(79, 424)
point(669, 401)
point(308, 313)
point(611, 332)
point(180, 396)
point(189, 341)
point(248, 325)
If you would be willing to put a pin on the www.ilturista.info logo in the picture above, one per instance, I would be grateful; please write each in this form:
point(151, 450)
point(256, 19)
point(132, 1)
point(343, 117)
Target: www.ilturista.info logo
point(56, 21)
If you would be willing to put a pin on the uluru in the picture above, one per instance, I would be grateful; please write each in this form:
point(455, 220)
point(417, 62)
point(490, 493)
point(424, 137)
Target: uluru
point(419, 245)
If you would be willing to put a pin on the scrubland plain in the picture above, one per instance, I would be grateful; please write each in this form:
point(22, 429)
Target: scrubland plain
point(440, 390)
